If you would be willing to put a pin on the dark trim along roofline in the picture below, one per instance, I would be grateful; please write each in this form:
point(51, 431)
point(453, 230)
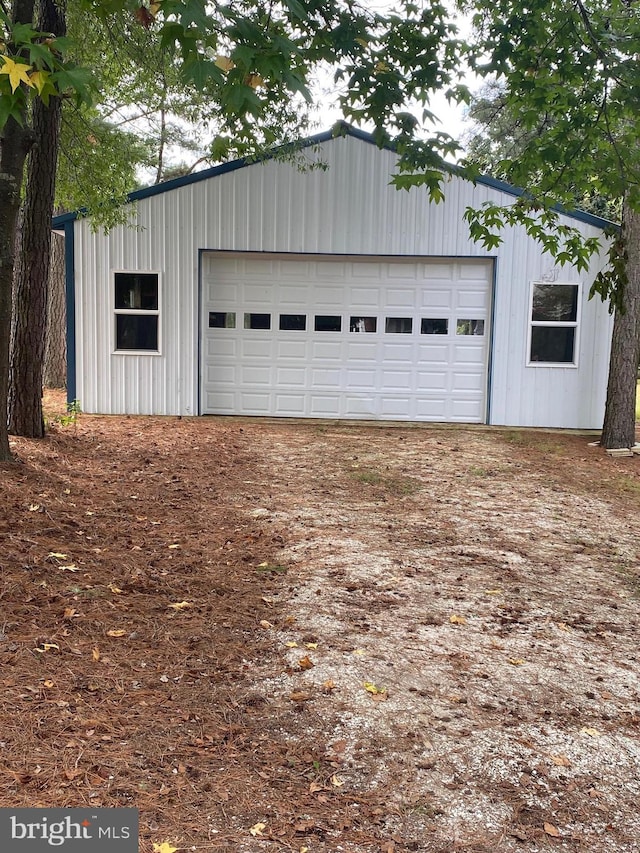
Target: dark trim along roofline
point(340, 129)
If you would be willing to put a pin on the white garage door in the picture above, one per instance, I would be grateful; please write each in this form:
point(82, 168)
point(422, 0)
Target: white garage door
point(345, 337)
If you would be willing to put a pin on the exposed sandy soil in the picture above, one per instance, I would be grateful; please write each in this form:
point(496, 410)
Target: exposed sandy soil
point(485, 583)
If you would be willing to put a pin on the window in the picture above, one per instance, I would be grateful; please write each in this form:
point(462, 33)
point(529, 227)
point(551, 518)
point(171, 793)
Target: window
point(136, 311)
point(363, 324)
point(398, 325)
point(554, 324)
point(434, 326)
point(293, 322)
point(222, 319)
point(469, 327)
point(327, 323)
point(257, 321)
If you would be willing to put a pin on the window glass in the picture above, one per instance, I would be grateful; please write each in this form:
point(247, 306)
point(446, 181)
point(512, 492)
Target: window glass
point(469, 327)
point(554, 344)
point(434, 326)
point(327, 323)
point(137, 331)
point(398, 325)
point(363, 324)
point(222, 319)
point(555, 303)
point(257, 321)
point(137, 291)
point(293, 322)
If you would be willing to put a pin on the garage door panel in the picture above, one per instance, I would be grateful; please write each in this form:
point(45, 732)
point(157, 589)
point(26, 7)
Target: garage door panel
point(397, 352)
point(362, 350)
point(467, 381)
point(326, 378)
point(326, 350)
point(291, 405)
point(391, 379)
point(434, 354)
point(256, 348)
point(326, 297)
point(252, 374)
point(362, 380)
point(324, 406)
point(222, 374)
point(294, 296)
point(395, 366)
point(468, 354)
point(221, 347)
point(292, 349)
point(432, 380)
point(291, 377)
point(397, 298)
point(364, 297)
point(253, 401)
point(440, 298)
point(472, 299)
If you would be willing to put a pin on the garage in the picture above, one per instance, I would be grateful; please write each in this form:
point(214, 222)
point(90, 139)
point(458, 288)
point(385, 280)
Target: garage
point(345, 337)
point(308, 286)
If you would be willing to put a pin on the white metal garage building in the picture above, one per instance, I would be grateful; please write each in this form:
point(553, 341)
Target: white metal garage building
point(261, 289)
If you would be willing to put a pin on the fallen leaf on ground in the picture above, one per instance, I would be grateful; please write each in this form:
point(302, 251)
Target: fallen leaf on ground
point(115, 589)
point(69, 568)
point(329, 684)
point(116, 632)
point(561, 760)
point(517, 661)
point(265, 624)
point(457, 620)
point(173, 547)
point(46, 647)
point(257, 828)
point(370, 687)
point(551, 830)
point(165, 847)
point(590, 731)
point(311, 645)
point(57, 555)
point(291, 645)
point(69, 612)
point(336, 781)
point(305, 662)
point(48, 683)
point(95, 654)
point(493, 591)
point(299, 696)
point(180, 605)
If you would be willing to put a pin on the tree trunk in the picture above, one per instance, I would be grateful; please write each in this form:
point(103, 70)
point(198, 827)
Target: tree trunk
point(619, 428)
point(32, 261)
point(55, 356)
point(14, 145)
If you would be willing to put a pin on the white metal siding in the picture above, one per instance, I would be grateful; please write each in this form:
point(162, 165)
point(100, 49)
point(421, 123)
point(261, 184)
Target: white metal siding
point(349, 208)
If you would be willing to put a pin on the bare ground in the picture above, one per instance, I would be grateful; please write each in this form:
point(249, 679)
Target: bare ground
point(290, 637)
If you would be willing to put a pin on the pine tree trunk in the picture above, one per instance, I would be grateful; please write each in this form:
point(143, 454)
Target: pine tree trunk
point(14, 145)
point(619, 428)
point(55, 357)
point(32, 261)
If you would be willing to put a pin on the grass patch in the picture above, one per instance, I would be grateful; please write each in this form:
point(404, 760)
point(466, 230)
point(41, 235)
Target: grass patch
point(396, 484)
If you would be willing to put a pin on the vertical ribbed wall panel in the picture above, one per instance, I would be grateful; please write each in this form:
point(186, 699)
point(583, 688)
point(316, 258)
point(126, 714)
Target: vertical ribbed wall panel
point(349, 208)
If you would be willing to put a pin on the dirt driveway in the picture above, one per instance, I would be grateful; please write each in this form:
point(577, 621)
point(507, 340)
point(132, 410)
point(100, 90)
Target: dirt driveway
point(311, 637)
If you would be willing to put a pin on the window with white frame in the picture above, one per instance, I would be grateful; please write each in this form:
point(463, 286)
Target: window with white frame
point(553, 326)
point(137, 313)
